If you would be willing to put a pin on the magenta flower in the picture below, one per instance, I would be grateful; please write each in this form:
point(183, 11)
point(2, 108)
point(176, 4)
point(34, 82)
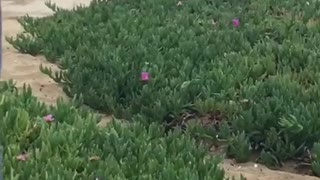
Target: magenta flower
point(235, 22)
point(144, 76)
point(22, 157)
point(48, 118)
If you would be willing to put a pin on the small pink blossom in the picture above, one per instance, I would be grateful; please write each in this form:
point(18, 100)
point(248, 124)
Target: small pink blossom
point(22, 157)
point(48, 118)
point(235, 22)
point(144, 76)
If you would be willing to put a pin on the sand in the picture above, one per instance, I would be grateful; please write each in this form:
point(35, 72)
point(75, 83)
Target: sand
point(24, 68)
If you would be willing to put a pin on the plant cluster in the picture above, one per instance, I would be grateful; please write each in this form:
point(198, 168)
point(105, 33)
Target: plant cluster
point(63, 142)
point(255, 62)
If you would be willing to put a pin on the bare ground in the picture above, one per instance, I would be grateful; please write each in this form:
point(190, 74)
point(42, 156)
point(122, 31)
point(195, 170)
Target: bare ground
point(24, 68)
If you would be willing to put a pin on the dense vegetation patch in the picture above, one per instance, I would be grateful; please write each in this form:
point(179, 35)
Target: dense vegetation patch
point(250, 68)
point(63, 142)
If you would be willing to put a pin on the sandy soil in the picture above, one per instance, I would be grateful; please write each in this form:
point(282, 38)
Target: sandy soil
point(24, 68)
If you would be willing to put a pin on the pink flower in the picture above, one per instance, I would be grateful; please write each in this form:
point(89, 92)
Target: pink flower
point(48, 118)
point(22, 157)
point(144, 76)
point(235, 22)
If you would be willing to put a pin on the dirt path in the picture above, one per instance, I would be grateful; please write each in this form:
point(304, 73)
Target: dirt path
point(25, 69)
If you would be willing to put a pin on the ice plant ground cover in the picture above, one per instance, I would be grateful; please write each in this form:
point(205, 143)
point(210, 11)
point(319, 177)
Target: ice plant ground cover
point(74, 147)
point(248, 71)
